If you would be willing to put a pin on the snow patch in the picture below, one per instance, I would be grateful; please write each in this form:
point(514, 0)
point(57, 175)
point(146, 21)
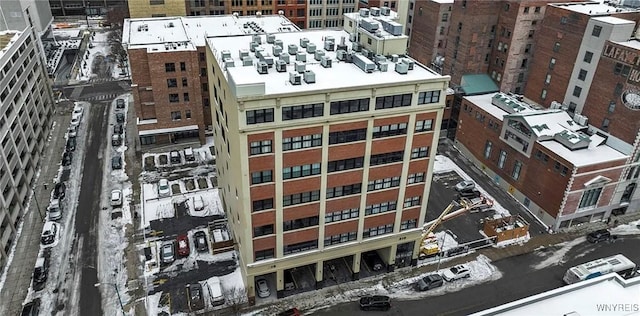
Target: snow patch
point(558, 256)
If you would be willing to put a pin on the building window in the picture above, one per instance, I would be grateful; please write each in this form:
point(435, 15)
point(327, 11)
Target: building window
point(487, 149)
point(183, 66)
point(389, 130)
point(412, 201)
point(380, 207)
point(185, 96)
point(588, 56)
point(187, 114)
point(445, 17)
point(577, 91)
point(556, 47)
point(605, 124)
point(172, 83)
point(300, 198)
point(342, 238)
point(596, 30)
point(261, 205)
point(420, 152)
point(350, 106)
point(260, 147)
point(377, 231)
point(424, 126)
point(259, 116)
point(524, 63)
point(264, 254)
point(170, 67)
point(543, 94)
point(347, 136)
point(393, 101)
point(428, 97)
point(527, 48)
point(381, 159)
point(590, 198)
point(300, 247)
point(345, 164)
point(185, 82)
point(408, 224)
point(300, 171)
point(618, 89)
point(173, 97)
point(176, 115)
point(302, 111)
point(415, 178)
point(300, 223)
point(344, 190)
point(517, 167)
point(341, 215)
point(259, 177)
point(612, 106)
point(381, 184)
point(552, 63)
point(582, 75)
point(542, 156)
point(537, 10)
point(531, 33)
point(263, 230)
point(300, 142)
point(503, 159)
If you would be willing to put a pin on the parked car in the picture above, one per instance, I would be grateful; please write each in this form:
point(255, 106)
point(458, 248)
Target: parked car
point(72, 131)
point(175, 156)
point(598, 236)
point(55, 210)
point(465, 185)
point(469, 194)
point(167, 253)
point(116, 198)
point(75, 121)
point(119, 104)
point(59, 190)
point(116, 140)
point(429, 282)
point(49, 233)
point(188, 154)
point(215, 291)
point(290, 312)
point(116, 163)
point(457, 272)
point(200, 240)
point(32, 308)
point(263, 288)
point(120, 117)
point(40, 273)
point(373, 261)
point(183, 245)
point(78, 110)
point(163, 188)
point(196, 296)
point(67, 157)
point(457, 250)
point(71, 144)
point(118, 129)
point(375, 302)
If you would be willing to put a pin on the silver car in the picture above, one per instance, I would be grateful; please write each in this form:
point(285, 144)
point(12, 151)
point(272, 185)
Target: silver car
point(263, 288)
point(167, 253)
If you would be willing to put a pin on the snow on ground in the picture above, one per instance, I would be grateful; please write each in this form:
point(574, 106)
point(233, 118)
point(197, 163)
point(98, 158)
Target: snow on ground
point(152, 303)
point(632, 228)
point(558, 256)
point(446, 241)
point(100, 48)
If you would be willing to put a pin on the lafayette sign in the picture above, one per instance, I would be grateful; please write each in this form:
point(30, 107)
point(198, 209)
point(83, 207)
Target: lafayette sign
point(626, 56)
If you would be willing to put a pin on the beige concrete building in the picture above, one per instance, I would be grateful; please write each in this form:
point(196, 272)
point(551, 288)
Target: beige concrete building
point(156, 8)
point(324, 152)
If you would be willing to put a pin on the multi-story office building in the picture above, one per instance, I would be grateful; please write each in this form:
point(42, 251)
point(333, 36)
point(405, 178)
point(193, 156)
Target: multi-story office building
point(323, 147)
point(401, 7)
point(328, 13)
point(88, 7)
point(565, 172)
point(26, 107)
point(571, 38)
point(429, 24)
point(169, 70)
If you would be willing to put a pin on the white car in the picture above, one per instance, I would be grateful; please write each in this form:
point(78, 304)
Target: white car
point(457, 272)
point(75, 121)
point(163, 187)
point(78, 110)
point(116, 198)
point(465, 185)
point(72, 131)
point(263, 288)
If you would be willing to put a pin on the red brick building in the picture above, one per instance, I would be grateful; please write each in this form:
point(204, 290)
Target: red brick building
point(429, 31)
point(563, 172)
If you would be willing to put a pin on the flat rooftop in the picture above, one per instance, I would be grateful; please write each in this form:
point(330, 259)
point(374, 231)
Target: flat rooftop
point(592, 8)
point(6, 39)
point(186, 33)
point(597, 296)
point(633, 44)
point(388, 26)
point(246, 81)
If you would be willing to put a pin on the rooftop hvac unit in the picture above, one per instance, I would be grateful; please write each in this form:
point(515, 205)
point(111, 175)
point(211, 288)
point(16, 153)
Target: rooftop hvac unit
point(281, 66)
point(276, 50)
point(380, 59)
point(256, 39)
point(409, 63)
point(259, 52)
point(341, 55)
point(383, 66)
point(271, 38)
point(285, 58)
point(364, 12)
point(370, 25)
point(363, 63)
point(252, 46)
point(402, 68)
point(309, 76)
point(325, 61)
point(247, 61)
point(318, 55)
point(375, 11)
point(392, 27)
point(278, 43)
point(330, 39)
point(366, 53)
point(394, 58)
point(356, 47)
point(295, 78)
point(243, 53)
point(268, 59)
point(329, 46)
point(301, 56)
point(226, 54)
point(311, 48)
point(300, 67)
point(556, 105)
point(292, 49)
point(386, 11)
point(263, 68)
point(303, 42)
point(228, 62)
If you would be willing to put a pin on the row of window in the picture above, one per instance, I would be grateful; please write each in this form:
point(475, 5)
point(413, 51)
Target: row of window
point(300, 223)
point(300, 198)
point(300, 142)
point(300, 171)
point(377, 231)
point(345, 164)
point(381, 184)
point(341, 238)
point(341, 215)
point(344, 190)
point(381, 207)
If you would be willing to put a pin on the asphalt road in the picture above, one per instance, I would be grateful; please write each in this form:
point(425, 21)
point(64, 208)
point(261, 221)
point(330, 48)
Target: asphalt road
point(87, 213)
point(519, 280)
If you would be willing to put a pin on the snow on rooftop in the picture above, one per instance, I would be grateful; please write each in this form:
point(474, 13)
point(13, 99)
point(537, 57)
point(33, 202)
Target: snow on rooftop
point(632, 43)
point(391, 22)
point(547, 123)
point(586, 156)
point(591, 8)
point(6, 39)
point(187, 33)
point(613, 20)
point(483, 101)
point(246, 81)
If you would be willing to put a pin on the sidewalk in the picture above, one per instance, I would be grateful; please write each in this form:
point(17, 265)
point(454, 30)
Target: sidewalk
point(20, 269)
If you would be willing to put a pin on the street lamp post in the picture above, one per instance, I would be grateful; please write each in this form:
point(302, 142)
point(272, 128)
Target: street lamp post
point(115, 286)
point(86, 13)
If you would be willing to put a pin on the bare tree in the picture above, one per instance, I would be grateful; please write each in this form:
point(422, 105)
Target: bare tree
point(116, 16)
point(236, 297)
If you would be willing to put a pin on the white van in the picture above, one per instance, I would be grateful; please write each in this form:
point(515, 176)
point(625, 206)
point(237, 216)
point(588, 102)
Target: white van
point(188, 154)
point(215, 291)
point(55, 210)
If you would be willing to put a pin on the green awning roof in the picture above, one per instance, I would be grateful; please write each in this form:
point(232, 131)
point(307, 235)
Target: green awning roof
point(478, 84)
